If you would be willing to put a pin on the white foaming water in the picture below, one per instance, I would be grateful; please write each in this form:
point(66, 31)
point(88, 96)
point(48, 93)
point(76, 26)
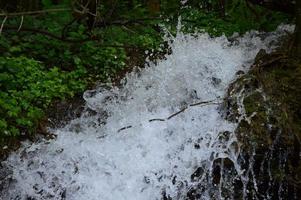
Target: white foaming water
point(93, 158)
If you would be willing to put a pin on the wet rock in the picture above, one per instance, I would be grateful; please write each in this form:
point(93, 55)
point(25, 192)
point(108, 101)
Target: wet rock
point(216, 174)
point(4, 171)
point(5, 177)
point(221, 165)
point(62, 112)
point(224, 137)
point(197, 146)
point(216, 81)
point(146, 179)
point(197, 174)
point(239, 73)
point(63, 194)
point(264, 104)
point(76, 128)
point(260, 56)
point(193, 94)
point(174, 180)
point(193, 194)
point(165, 196)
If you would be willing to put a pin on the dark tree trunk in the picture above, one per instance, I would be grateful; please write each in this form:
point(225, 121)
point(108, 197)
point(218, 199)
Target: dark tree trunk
point(222, 5)
point(130, 4)
point(89, 15)
point(92, 6)
point(297, 52)
point(55, 2)
point(286, 6)
point(154, 6)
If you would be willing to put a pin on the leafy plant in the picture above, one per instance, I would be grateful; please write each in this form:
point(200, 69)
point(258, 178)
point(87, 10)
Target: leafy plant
point(27, 89)
point(56, 55)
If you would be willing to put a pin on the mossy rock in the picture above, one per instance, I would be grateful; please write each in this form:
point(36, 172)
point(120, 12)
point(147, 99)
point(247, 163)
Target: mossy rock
point(254, 103)
point(266, 104)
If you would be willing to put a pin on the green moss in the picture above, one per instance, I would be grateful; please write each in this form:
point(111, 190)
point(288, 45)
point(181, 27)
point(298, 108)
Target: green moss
point(282, 82)
point(254, 103)
point(275, 129)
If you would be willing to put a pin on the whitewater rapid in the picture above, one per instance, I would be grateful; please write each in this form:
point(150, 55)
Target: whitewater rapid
point(118, 151)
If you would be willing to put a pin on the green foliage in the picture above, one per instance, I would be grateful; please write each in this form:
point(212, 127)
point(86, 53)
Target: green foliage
point(27, 89)
point(46, 3)
point(105, 61)
point(144, 37)
point(238, 18)
point(36, 68)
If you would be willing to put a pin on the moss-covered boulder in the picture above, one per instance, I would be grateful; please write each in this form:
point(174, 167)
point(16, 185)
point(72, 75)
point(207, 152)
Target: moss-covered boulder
point(266, 103)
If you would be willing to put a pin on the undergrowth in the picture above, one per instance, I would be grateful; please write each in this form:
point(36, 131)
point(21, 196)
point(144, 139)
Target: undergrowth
point(36, 69)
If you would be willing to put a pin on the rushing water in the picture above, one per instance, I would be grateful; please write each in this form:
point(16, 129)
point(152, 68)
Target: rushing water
point(136, 145)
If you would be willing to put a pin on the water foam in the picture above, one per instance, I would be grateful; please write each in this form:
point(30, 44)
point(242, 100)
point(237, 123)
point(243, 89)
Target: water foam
point(118, 153)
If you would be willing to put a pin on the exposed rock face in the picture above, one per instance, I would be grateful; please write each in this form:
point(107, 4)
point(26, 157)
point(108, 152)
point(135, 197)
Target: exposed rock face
point(266, 104)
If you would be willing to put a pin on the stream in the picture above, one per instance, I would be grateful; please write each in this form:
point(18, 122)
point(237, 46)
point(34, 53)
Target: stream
point(155, 137)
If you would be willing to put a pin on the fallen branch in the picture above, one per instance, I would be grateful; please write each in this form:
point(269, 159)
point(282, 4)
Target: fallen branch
point(61, 38)
point(21, 23)
point(128, 21)
point(35, 12)
point(46, 33)
point(65, 28)
point(153, 120)
point(127, 127)
point(202, 103)
point(175, 114)
point(137, 21)
point(2, 24)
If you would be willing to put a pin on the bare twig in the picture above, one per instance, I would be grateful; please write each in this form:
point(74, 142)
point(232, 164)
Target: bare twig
point(129, 21)
point(152, 120)
point(2, 24)
point(175, 114)
point(87, 11)
point(46, 33)
point(63, 34)
point(202, 103)
point(51, 35)
point(127, 127)
point(85, 8)
point(21, 23)
point(83, 12)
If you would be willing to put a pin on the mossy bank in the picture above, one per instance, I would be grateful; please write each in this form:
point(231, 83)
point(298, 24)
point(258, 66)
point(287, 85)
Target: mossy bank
point(266, 104)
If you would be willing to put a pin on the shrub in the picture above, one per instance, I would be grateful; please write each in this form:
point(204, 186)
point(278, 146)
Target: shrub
point(27, 89)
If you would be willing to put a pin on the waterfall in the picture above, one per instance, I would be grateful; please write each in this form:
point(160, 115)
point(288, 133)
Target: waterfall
point(157, 136)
